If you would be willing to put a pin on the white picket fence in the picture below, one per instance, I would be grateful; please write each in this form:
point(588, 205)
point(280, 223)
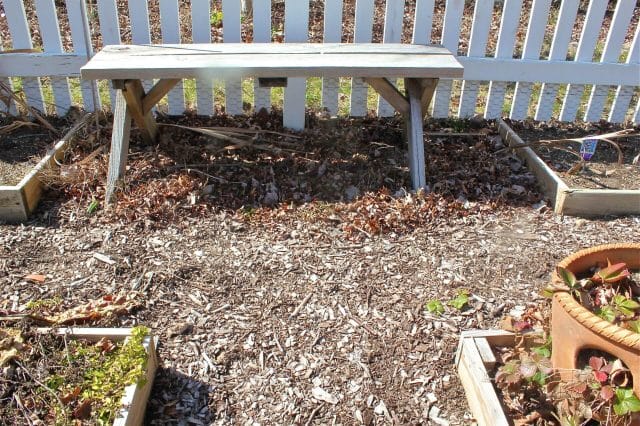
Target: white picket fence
point(513, 75)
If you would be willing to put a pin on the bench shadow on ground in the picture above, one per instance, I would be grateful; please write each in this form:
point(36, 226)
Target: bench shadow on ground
point(332, 161)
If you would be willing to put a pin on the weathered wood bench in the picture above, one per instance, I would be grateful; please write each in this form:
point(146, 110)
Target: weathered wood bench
point(420, 66)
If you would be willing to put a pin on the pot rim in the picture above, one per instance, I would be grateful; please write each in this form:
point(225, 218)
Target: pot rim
point(584, 316)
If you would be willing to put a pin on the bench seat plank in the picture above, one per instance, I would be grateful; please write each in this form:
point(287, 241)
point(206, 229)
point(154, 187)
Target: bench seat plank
point(272, 60)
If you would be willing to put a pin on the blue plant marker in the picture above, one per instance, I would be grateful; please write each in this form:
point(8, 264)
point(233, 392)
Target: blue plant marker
point(588, 148)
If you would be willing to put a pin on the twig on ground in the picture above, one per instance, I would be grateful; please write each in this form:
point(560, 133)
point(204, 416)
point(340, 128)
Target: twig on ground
point(298, 308)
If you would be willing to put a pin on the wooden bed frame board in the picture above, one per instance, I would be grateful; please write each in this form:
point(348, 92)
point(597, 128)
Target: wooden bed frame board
point(474, 359)
point(134, 401)
point(17, 202)
point(572, 201)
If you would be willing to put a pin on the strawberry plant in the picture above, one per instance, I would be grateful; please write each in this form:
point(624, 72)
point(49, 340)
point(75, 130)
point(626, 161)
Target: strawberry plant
point(611, 292)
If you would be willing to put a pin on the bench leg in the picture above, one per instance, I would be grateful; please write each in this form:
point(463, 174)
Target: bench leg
point(119, 145)
point(415, 133)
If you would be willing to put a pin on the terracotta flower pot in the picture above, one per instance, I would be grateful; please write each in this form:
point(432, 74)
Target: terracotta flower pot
point(574, 328)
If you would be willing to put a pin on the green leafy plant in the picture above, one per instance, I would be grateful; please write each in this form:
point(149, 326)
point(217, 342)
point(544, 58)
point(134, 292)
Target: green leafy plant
point(216, 18)
point(611, 293)
point(460, 301)
point(435, 307)
point(626, 402)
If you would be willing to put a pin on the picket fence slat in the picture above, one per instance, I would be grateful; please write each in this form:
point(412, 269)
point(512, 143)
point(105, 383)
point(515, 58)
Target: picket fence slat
point(139, 15)
point(450, 37)
point(586, 47)
point(394, 14)
point(8, 106)
point(362, 33)
point(232, 34)
point(625, 93)
point(261, 34)
point(423, 22)
point(636, 115)
point(21, 36)
point(532, 45)
point(506, 44)
point(50, 31)
point(559, 47)
point(482, 13)
point(201, 32)
point(612, 47)
point(80, 31)
point(170, 29)
point(296, 30)
point(332, 34)
point(110, 29)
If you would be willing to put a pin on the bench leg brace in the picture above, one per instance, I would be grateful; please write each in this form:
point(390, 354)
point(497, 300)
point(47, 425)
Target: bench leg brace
point(119, 145)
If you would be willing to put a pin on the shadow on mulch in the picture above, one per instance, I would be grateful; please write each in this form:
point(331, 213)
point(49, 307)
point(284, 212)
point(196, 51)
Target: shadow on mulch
point(333, 162)
point(173, 390)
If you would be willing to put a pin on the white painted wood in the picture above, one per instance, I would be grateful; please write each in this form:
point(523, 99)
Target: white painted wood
point(332, 34)
point(50, 32)
point(139, 18)
point(532, 45)
point(32, 65)
point(119, 145)
point(506, 43)
point(636, 115)
point(296, 30)
point(624, 93)
point(79, 28)
point(21, 36)
point(170, 28)
point(450, 38)
point(586, 46)
point(482, 13)
point(415, 134)
point(232, 34)
point(363, 32)
point(422, 22)
point(394, 14)
point(110, 31)
point(559, 46)
point(10, 107)
point(612, 47)
point(261, 34)
point(553, 72)
point(276, 60)
point(201, 33)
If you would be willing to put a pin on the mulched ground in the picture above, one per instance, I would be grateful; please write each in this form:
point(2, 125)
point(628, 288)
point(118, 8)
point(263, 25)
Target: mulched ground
point(288, 283)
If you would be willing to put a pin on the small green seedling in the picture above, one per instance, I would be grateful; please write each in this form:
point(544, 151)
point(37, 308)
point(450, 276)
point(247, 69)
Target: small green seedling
point(435, 307)
point(461, 300)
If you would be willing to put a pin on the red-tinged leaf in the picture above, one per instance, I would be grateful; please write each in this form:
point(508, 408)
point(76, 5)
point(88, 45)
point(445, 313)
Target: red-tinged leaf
point(521, 325)
point(607, 393)
point(600, 376)
point(528, 368)
point(596, 363)
point(613, 273)
point(578, 388)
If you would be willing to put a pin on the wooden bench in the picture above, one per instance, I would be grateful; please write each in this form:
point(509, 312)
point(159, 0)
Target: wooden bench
point(126, 65)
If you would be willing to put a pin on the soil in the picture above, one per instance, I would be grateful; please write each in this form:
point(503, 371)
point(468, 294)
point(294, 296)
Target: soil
point(21, 148)
point(288, 280)
point(602, 171)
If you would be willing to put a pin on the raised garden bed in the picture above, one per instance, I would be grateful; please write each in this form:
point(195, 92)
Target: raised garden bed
point(576, 195)
point(474, 360)
point(21, 189)
point(76, 390)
